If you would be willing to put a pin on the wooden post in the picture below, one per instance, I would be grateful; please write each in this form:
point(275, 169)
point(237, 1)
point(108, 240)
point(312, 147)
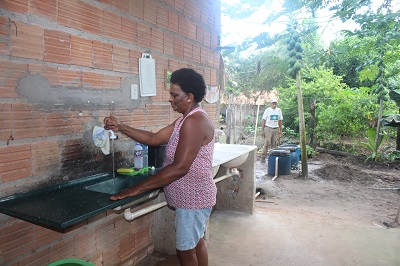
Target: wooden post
point(303, 145)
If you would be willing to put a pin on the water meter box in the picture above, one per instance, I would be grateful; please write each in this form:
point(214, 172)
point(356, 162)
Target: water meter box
point(283, 156)
point(156, 156)
point(294, 157)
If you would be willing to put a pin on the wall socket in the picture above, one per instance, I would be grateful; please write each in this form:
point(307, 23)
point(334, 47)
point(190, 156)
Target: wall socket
point(134, 92)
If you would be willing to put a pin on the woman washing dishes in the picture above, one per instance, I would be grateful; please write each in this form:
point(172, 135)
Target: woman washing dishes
point(187, 172)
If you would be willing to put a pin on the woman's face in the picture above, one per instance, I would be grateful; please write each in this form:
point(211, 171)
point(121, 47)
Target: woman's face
point(180, 100)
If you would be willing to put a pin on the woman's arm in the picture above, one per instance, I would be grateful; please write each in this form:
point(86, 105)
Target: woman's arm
point(145, 137)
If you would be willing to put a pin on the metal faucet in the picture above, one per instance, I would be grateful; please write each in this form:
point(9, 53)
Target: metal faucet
point(113, 136)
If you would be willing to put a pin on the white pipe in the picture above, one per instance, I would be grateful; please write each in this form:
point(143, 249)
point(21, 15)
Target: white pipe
point(133, 215)
point(276, 168)
point(258, 193)
point(216, 180)
point(255, 129)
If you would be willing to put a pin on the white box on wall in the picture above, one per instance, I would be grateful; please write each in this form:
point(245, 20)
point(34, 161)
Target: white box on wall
point(147, 75)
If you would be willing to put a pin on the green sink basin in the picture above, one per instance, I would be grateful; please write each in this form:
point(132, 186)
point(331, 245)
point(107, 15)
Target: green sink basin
point(115, 185)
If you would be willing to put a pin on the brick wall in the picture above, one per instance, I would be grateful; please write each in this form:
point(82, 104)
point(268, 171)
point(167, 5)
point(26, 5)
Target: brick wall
point(64, 66)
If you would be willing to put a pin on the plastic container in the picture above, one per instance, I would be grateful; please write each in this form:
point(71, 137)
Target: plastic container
point(138, 156)
point(145, 156)
point(71, 262)
point(157, 156)
point(294, 158)
point(283, 156)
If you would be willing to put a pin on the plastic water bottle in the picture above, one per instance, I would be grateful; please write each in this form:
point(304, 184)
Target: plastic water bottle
point(138, 156)
point(145, 156)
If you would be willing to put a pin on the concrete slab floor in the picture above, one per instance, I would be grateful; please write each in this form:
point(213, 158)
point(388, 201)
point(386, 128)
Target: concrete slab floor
point(280, 238)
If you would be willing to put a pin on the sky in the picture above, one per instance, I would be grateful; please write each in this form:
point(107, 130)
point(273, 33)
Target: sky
point(235, 31)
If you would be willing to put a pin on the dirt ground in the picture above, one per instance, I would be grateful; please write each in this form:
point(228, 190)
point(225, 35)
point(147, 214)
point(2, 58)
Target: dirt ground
point(338, 187)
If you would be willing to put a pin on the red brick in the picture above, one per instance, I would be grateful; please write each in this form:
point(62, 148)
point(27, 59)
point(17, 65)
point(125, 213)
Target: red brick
point(200, 33)
point(142, 239)
point(63, 249)
point(111, 82)
point(92, 80)
point(27, 40)
point(57, 47)
point(134, 61)
point(196, 53)
point(215, 40)
point(122, 5)
point(180, 5)
point(129, 30)
point(58, 130)
point(16, 239)
point(45, 156)
point(102, 55)
point(112, 25)
point(111, 256)
point(120, 59)
point(81, 51)
point(162, 17)
point(92, 18)
point(5, 118)
point(46, 8)
point(85, 243)
point(193, 10)
point(190, 29)
point(69, 78)
point(105, 235)
point(144, 36)
point(157, 40)
point(207, 39)
point(21, 107)
point(26, 133)
point(69, 13)
point(173, 21)
point(136, 8)
point(150, 12)
point(46, 236)
point(41, 257)
point(19, 6)
point(187, 50)
point(10, 73)
point(168, 44)
point(204, 16)
point(126, 247)
point(203, 55)
point(178, 47)
point(5, 36)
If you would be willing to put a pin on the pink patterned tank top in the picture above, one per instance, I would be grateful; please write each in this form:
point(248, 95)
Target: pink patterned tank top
point(195, 190)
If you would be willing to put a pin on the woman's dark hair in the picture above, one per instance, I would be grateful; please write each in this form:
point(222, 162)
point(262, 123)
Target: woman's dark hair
point(190, 82)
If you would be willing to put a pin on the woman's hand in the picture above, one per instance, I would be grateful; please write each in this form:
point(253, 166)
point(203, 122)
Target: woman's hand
point(110, 122)
point(128, 192)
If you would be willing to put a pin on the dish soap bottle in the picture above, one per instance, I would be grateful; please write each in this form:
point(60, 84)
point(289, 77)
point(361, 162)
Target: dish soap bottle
point(138, 156)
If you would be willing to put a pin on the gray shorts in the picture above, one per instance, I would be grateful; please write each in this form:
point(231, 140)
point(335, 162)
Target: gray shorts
point(190, 225)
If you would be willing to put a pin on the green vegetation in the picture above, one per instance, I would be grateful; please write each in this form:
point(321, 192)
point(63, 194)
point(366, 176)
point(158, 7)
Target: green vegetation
point(347, 88)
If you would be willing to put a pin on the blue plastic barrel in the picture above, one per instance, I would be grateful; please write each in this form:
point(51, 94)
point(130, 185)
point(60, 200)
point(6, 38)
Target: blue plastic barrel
point(283, 156)
point(294, 157)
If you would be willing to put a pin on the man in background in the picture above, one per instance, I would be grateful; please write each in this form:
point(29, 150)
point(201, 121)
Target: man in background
point(271, 127)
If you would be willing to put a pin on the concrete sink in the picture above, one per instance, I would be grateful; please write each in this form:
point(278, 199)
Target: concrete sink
point(232, 155)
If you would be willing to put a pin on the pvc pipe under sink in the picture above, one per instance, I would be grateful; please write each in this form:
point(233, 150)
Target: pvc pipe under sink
point(276, 168)
point(129, 216)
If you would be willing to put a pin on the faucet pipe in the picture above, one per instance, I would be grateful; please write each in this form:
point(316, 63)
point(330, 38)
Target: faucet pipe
point(129, 216)
point(276, 168)
point(110, 132)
